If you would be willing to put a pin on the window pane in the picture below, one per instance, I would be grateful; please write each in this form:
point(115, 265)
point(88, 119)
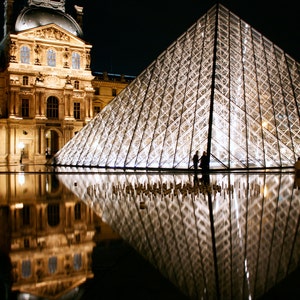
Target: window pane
point(76, 84)
point(75, 60)
point(52, 264)
point(25, 80)
point(52, 108)
point(25, 108)
point(26, 268)
point(26, 215)
point(77, 110)
point(53, 214)
point(77, 211)
point(51, 58)
point(25, 55)
point(77, 262)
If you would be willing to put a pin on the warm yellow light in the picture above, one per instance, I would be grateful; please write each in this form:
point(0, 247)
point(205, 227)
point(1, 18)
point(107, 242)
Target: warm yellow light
point(21, 179)
point(19, 205)
point(21, 145)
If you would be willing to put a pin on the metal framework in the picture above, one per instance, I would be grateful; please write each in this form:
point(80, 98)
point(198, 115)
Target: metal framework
point(220, 87)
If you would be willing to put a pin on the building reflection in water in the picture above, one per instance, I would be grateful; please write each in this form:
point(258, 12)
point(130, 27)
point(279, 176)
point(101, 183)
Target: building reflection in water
point(222, 236)
point(226, 236)
point(47, 236)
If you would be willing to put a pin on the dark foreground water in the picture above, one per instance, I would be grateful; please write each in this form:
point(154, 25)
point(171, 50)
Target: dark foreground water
point(90, 234)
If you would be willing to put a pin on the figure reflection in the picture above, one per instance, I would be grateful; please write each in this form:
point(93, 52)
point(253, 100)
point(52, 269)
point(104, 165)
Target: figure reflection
point(212, 237)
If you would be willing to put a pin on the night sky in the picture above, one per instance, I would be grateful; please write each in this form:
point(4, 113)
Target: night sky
point(128, 35)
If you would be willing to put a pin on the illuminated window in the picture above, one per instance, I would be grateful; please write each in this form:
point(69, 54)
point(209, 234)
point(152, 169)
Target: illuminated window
point(25, 80)
point(76, 84)
point(52, 108)
point(25, 108)
point(53, 214)
point(77, 110)
point(75, 60)
point(51, 58)
point(77, 262)
point(52, 264)
point(25, 55)
point(26, 268)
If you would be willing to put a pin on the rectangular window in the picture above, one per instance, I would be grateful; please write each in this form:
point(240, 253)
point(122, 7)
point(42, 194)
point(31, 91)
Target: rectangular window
point(76, 110)
point(114, 92)
point(25, 80)
point(25, 108)
point(75, 60)
point(51, 58)
point(26, 243)
point(26, 215)
point(97, 91)
point(25, 55)
point(96, 110)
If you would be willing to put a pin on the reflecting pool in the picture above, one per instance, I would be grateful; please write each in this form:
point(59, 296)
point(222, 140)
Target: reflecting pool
point(214, 236)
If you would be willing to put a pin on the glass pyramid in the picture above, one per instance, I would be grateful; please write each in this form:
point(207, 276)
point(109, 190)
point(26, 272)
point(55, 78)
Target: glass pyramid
point(221, 87)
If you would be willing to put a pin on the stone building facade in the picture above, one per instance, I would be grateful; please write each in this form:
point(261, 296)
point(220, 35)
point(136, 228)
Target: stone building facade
point(47, 89)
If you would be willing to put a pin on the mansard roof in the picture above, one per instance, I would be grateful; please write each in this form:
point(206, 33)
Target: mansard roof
point(33, 17)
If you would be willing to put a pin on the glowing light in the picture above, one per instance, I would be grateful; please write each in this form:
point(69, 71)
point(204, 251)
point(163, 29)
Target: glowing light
point(19, 205)
point(21, 179)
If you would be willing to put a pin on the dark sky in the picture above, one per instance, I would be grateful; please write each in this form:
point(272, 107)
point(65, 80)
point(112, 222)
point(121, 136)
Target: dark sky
point(127, 35)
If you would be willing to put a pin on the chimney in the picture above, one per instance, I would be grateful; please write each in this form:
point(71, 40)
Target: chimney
point(8, 16)
point(79, 14)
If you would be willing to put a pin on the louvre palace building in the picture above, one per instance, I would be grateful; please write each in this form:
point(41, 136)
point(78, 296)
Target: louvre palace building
point(47, 89)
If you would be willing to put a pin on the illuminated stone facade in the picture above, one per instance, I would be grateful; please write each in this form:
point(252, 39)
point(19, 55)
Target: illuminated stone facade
point(46, 85)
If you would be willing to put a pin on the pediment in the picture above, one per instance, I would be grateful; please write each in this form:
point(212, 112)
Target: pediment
point(51, 32)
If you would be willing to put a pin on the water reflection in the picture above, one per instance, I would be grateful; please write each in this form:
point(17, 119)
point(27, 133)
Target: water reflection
point(229, 236)
point(47, 236)
point(217, 236)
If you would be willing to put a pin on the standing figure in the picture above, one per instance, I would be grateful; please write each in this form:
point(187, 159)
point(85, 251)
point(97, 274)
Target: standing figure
point(297, 167)
point(204, 162)
point(297, 174)
point(196, 160)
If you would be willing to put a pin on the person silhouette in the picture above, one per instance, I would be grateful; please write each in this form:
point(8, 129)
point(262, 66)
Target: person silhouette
point(297, 174)
point(196, 160)
point(204, 162)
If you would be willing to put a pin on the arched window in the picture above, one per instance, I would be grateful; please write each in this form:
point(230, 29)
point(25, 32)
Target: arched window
point(53, 214)
point(25, 80)
point(25, 55)
point(52, 264)
point(76, 84)
point(75, 60)
point(51, 58)
point(52, 107)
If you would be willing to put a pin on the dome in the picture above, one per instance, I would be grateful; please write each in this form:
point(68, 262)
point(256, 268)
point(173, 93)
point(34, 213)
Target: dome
point(33, 17)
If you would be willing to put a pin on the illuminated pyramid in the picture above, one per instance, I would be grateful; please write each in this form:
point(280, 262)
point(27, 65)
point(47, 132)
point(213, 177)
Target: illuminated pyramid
point(220, 87)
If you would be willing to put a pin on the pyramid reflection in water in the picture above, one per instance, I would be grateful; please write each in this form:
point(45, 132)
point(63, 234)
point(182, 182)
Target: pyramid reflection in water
point(221, 87)
point(241, 246)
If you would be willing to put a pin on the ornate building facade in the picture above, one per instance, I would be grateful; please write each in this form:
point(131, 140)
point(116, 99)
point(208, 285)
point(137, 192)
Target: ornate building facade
point(47, 89)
